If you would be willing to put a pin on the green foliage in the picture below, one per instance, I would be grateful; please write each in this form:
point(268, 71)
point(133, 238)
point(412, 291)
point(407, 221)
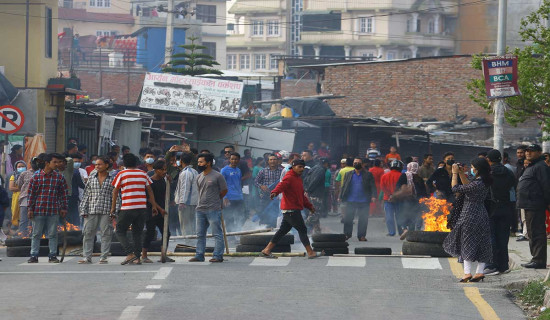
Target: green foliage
point(533, 293)
point(193, 62)
point(533, 73)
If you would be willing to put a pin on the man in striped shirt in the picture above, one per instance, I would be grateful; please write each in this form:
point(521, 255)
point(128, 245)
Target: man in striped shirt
point(134, 186)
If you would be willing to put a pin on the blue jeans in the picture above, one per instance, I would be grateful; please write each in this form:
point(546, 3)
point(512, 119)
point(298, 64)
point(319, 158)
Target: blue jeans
point(24, 222)
point(391, 210)
point(47, 225)
point(204, 220)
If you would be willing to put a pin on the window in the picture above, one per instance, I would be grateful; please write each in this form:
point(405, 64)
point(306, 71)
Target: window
point(245, 61)
point(390, 55)
point(366, 25)
point(368, 54)
point(273, 62)
point(206, 13)
point(431, 27)
point(406, 55)
point(273, 27)
point(259, 61)
point(68, 4)
point(418, 25)
point(210, 49)
point(322, 22)
point(231, 61)
point(105, 33)
point(100, 3)
point(230, 27)
point(257, 28)
point(48, 36)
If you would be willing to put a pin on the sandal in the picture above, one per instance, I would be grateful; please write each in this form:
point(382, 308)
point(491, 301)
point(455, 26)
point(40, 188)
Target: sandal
point(85, 261)
point(134, 258)
point(268, 256)
point(147, 260)
point(317, 255)
point(137, 261)
point(103, 261)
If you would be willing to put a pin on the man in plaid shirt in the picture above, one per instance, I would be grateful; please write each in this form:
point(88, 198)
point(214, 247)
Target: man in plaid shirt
point(47, 201)
point(266, 180)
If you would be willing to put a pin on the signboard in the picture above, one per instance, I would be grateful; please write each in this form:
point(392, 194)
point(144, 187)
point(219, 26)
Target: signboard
point(11, 119)
point(501, 77)
point(162, 91)
point(106, 126)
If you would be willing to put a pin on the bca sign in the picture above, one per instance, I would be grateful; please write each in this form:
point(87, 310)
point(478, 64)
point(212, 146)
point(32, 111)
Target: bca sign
point(11, 119)
point(501, 76)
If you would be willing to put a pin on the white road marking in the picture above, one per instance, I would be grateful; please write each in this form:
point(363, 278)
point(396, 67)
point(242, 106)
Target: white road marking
point(162, 273)
point(145, 295)
point(130, 313)
point(153, 287)
point(346, 262)
point(281, 262)
point(73, 272)
point(421, 263)
point(185, 260)
point(44, 262)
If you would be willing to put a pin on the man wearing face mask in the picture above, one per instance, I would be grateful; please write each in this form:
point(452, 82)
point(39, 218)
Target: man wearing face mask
point(77, 183)
point(358, 191)
point(147, 164)
point(440, 181)
point(91, 167)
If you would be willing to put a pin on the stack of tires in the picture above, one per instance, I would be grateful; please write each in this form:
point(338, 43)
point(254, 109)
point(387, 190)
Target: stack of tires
point(330, 243)
point(425, 243)
point(21, 247)
point(118, 250)
point(257, 242)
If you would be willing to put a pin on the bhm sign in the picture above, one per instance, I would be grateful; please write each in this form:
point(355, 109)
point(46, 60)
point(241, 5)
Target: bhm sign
point(501, 77)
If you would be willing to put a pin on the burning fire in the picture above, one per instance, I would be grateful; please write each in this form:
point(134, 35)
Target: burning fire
point(436, 217)
point(70, 227)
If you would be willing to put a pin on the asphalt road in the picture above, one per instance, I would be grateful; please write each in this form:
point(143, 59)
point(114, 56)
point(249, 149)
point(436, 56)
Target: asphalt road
point(253, 288)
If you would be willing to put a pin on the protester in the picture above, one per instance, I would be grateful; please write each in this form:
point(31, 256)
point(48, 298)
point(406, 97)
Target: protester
point(95, 210)
point(312, 151)
point(125, 150)
point(410, 209)
point(47, 201)
point(77, 182)
point(71, 149)
point(23, 184)
point(373, 153)
point(248, 158)
point(293, 202)
point(521, 212)
point(358, 191)
point(308, 157)
point(15, 155)
point(501, 213)
point(259, 164)
point(440, 181)
point(186, 195)
point(134, 186)
point(212, 189)
point(20, 167)
point(233, 202)
point(377, 172)
point(388, 183)
point(265, 181)
point(148, 160)
point(114, 159)
point(91, 167)
point(324, 150)
point(340, 176)
point(534, 197)
point(470, 238)
point(393, 155)
point(427, 169)
point(314, 185)
point(243, 166)
point(156, 220)
point(506, 162)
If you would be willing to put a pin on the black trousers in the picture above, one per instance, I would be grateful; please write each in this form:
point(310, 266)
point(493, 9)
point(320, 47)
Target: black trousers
point(290, 220)
point(500, 234)
point(536, 231)
point(151, 224)
point(135, 218)
point(360, 209)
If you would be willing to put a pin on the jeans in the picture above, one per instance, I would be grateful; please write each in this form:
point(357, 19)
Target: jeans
point(91, 223)
point(361, 209)
point(136, 218)
point(204, 220)
point(24, 222)
point(292, 219)
point(187, 220)
point(391, 210)
point(47, 225)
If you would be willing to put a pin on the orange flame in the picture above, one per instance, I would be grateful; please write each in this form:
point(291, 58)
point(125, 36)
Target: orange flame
point(70, 227)
point(436, 217)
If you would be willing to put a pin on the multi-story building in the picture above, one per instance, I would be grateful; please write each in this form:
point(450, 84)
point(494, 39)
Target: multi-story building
point(386, 29)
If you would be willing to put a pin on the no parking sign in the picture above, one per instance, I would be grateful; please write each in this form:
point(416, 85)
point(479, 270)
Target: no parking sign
point(11, 119)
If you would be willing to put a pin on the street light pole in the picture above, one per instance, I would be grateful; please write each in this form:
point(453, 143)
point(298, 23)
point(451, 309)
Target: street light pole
point(545, 134)
point(169, 32)
point(500, 104)
point(27, 16)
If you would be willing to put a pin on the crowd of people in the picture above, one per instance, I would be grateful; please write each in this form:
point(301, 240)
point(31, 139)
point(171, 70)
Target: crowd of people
point(490, 198)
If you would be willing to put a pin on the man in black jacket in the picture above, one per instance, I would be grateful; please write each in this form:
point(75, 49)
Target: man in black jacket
point(520, 153)
point(534, 198)
point(314, 185)
point(501, 212)
point(358, 190)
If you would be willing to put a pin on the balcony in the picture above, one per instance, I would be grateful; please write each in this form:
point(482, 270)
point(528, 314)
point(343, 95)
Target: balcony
point(242, 7)
point(240, 41)
point(447, 7)
point(341, 38)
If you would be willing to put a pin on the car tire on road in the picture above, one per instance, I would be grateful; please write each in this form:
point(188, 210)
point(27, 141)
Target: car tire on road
point(427, 236)
point(253, 248)
point(25, 251)
point(373, 250)
point(23, 242)
point(263, 239)
point(424, 249)
point(329, 237)
point(330, 244)
point(332, 251)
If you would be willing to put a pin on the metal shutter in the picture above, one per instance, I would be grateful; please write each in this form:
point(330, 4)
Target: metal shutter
point(51, 134)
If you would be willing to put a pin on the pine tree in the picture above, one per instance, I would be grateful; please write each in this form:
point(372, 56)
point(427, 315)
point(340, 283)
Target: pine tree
point(193, 62)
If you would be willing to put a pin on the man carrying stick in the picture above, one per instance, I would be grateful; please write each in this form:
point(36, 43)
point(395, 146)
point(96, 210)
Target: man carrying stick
point(212, 189)
point(293, 202)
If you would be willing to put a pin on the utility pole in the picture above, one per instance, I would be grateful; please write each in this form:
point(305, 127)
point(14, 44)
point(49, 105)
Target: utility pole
point(500, 104)
point(27, 43)
point(169, 32)
point(545, 134)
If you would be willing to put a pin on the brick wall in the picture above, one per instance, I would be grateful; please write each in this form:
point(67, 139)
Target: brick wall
point(411, 90)
point(298, 88)
point(115, 84)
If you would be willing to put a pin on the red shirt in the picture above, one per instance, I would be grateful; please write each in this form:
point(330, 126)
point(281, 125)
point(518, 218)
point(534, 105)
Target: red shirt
point(90, 168)
point(388, 183)
point(132, 184)
point(377, 172)
point(292, 188)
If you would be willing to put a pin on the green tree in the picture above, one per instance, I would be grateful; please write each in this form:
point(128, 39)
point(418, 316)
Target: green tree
point(192, 62)
point(533, 73)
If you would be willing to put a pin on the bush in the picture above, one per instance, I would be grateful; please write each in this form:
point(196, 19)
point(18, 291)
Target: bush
point(533, 293)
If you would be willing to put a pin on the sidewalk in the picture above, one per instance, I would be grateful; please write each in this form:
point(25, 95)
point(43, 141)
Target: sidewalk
point(519, 253)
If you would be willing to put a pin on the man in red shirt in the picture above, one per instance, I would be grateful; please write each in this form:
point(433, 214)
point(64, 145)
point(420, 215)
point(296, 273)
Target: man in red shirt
point(387, 184)
point(293, 202)
point(377, 172)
